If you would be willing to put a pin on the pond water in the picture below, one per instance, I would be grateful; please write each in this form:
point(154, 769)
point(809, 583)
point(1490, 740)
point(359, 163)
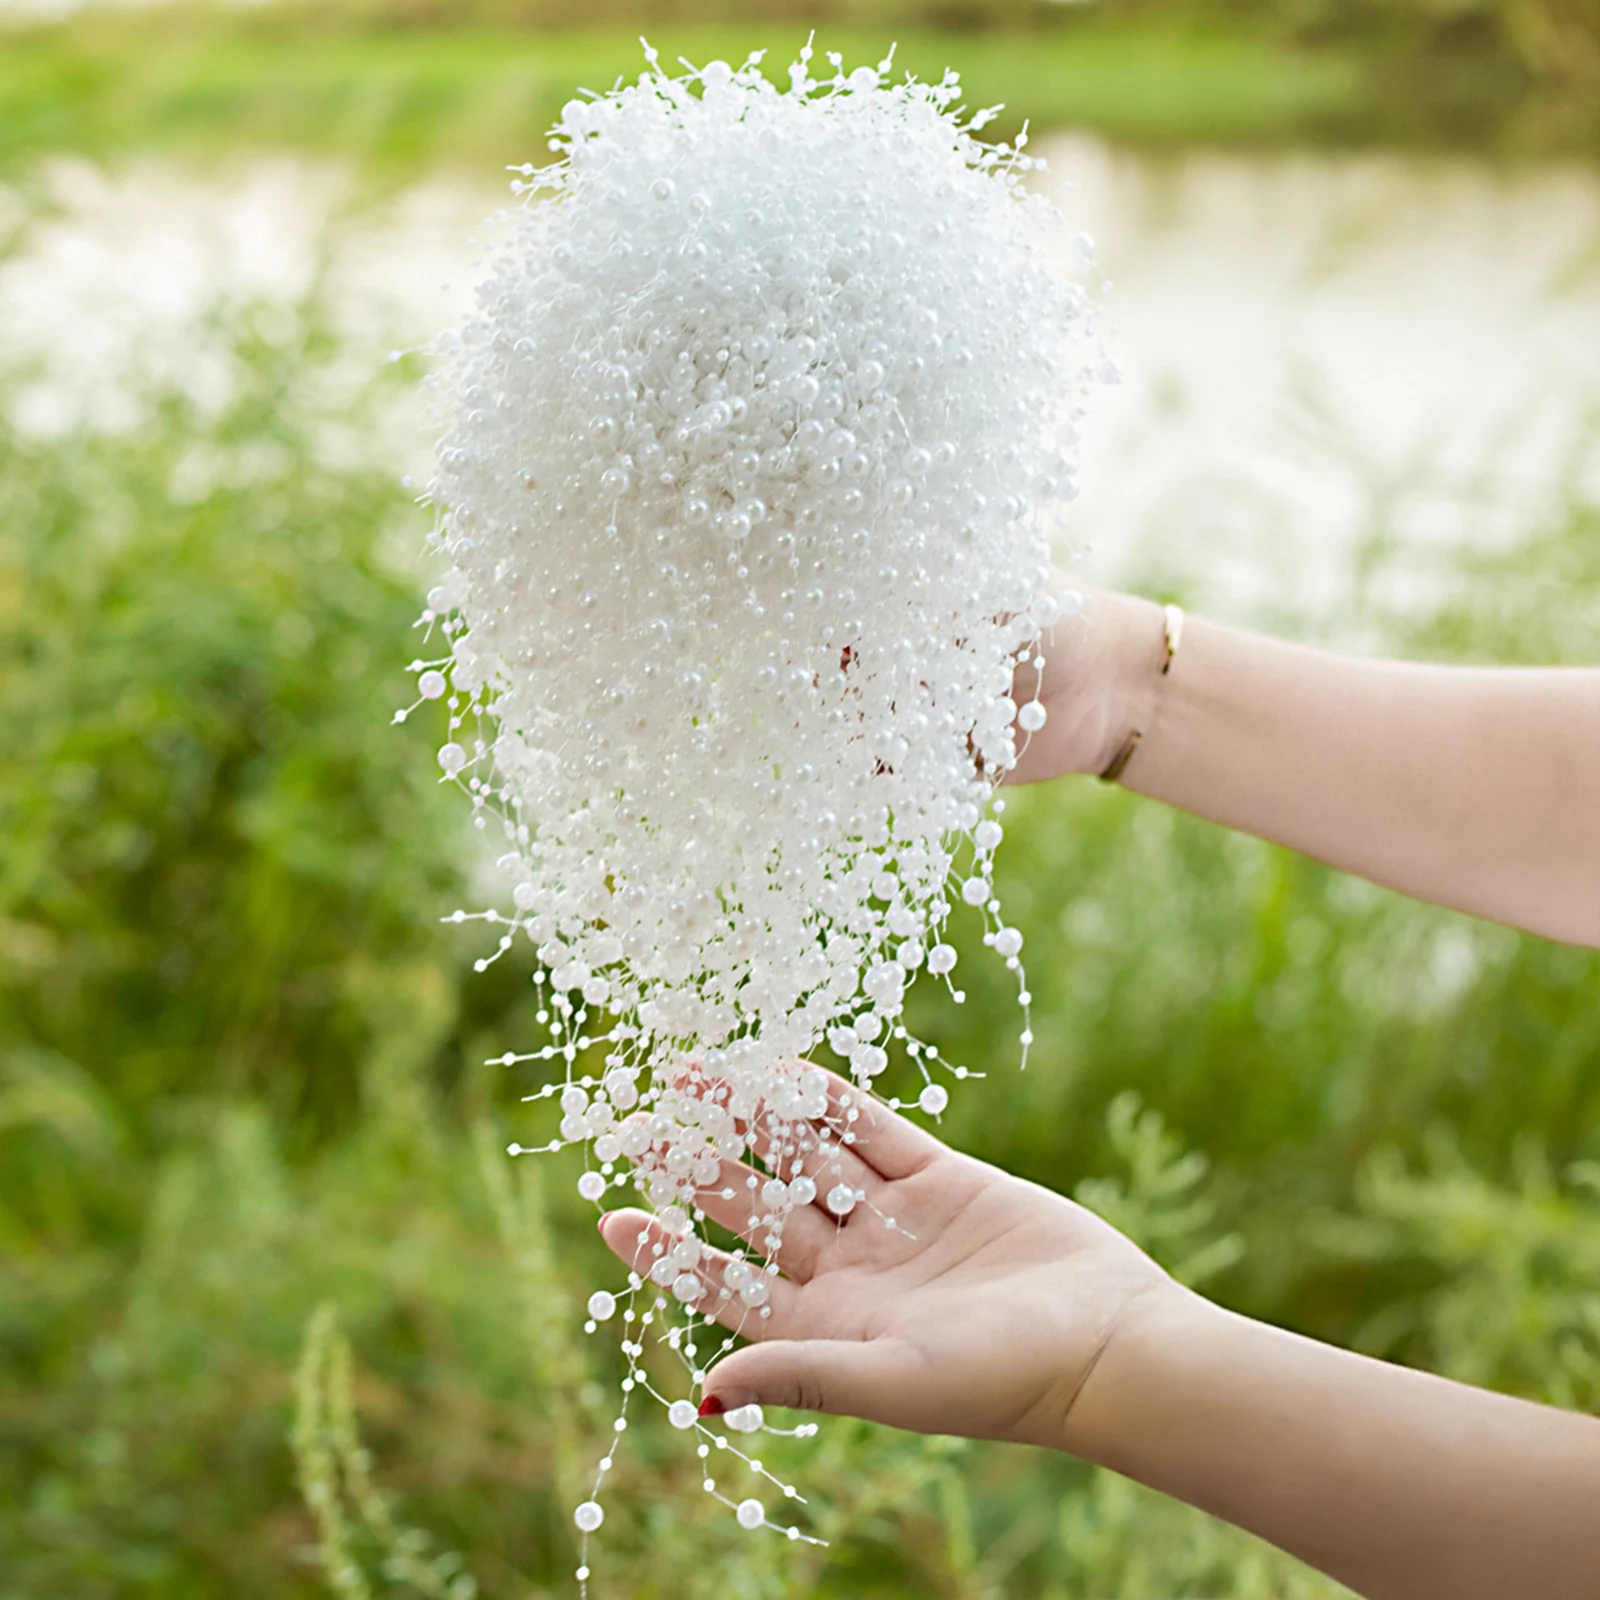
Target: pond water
point(1316, 348)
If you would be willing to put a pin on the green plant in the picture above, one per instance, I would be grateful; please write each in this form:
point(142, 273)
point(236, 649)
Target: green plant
point(1494, 1283)
point(212, 874)
point(1160, 1204)
point(336, 1480)
point(241, 1078)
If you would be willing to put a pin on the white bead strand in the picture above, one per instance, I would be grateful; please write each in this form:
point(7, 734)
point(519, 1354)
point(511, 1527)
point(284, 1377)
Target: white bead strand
point(750, 450)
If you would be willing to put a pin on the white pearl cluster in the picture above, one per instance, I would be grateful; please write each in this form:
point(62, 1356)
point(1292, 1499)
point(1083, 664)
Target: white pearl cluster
point(749, 451)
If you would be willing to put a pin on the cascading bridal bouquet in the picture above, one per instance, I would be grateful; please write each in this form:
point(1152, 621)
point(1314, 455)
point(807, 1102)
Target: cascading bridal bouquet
point(749, 449)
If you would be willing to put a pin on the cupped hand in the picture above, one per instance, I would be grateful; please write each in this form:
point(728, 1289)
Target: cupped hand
point(951, 1298)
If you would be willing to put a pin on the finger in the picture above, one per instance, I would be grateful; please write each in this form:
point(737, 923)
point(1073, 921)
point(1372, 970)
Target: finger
point(762, 1212)
point(794, 1146)
point(874, 1378)
point(788, 1218)
point(703, 1277)
point(816, 1152)
point(890, 1145)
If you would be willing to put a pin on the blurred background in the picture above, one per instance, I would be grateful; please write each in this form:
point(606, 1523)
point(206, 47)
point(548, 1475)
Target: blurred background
point(277, 1316)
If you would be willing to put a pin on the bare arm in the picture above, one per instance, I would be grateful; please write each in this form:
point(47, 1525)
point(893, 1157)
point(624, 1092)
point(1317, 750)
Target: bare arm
point(1400, 1484)
point(999, 1310)
point(1474, 788)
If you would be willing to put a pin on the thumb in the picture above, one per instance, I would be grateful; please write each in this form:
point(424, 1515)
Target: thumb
point(847, 1377)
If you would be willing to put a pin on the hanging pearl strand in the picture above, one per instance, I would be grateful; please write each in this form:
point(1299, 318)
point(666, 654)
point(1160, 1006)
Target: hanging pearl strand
point(750, 451)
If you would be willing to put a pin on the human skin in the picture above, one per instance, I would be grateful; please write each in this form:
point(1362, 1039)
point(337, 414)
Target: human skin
point(998, 1309)
point(1474, 788)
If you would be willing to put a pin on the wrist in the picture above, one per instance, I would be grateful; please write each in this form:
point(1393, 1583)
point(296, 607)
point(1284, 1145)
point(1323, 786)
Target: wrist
point(1110, 1422)
point(1135, 654)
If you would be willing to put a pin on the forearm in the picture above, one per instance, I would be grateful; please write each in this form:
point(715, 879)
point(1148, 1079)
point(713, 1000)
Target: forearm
point(1391, 1481)
point(1477, 789)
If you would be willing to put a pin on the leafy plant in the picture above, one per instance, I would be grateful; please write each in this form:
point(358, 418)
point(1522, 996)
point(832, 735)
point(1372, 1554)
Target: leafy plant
point(1160, 1204)
point(242, 1077)
point(1496, 1284)
point(336, 1481)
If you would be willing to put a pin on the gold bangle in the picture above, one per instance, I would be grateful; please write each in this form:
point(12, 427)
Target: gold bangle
point(1171, 638)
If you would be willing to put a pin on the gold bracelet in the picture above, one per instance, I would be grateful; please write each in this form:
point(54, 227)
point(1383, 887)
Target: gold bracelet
point(1172, 637)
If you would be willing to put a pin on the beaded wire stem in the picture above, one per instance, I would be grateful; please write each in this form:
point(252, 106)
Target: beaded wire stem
point(749, 452)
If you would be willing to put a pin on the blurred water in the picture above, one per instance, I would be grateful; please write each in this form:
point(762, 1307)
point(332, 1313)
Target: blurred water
point(1315, 347)
point(1320, 349)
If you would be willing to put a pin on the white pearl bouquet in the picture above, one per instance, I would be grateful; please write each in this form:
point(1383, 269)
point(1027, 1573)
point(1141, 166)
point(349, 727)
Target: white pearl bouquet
point(750, 446)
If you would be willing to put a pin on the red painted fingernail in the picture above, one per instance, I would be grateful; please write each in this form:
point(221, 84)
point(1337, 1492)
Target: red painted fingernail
point(711, 1407)
point(605, 1217)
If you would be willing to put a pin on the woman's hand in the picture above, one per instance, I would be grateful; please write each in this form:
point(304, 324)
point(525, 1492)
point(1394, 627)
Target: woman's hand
point(981, 1308)
point(1102, 663)
point(997, 1309)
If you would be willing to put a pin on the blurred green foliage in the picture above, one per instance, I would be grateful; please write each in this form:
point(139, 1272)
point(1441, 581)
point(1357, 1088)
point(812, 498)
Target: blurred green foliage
point(401, 81)
point(210, 867)
point(399, 95)
point(277, 1313)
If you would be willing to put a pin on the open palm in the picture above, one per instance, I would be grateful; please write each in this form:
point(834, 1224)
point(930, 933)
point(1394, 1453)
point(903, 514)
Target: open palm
point(899, 1311)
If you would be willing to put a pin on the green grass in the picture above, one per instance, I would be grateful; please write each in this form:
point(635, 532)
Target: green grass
point(202, 82)
point(252, 1195)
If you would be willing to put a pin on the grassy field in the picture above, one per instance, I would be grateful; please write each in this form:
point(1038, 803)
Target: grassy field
point(204, 80)
point(252, 1201)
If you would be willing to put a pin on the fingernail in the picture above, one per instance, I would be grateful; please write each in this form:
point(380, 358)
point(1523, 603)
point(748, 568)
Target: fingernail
point(605, 1217)
point(711, 1407)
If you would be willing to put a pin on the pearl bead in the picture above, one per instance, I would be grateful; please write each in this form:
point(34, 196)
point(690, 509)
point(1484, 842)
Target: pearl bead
point(745, 1419)
point(589, 1516)
point(751, 1513)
